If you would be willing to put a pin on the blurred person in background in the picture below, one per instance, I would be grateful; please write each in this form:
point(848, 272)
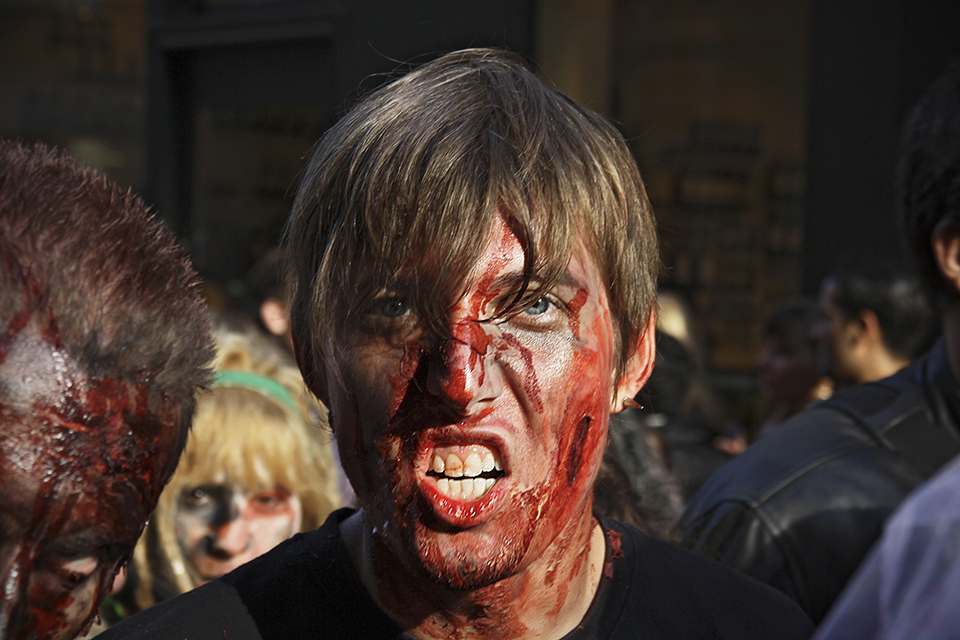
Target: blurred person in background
point(789, 377)
point(679, 415)
point(876, 321)
point(257, 469)
point(801, 508)
point(909, 585)
point(264, 298)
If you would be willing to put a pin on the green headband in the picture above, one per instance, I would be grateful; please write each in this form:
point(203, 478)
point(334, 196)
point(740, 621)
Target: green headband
point(258, 383)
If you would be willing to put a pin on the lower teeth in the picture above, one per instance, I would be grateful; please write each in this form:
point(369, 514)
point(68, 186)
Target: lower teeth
point(465, 488)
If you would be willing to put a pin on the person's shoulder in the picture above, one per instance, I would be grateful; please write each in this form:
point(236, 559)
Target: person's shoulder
point(273, 596)
point(935, 505)
point(819, 441)
point(682, 589)
point(214, 610)
point(800, 446)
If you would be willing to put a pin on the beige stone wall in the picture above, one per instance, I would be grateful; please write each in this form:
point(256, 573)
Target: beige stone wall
point(575, 48)
point(73, 74)
point(712, 98)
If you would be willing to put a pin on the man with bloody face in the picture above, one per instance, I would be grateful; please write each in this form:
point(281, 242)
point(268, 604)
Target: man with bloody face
point(104, 341)
point(473, 263)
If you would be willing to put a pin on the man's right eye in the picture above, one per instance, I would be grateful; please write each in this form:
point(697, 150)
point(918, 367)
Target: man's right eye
point(391, 307)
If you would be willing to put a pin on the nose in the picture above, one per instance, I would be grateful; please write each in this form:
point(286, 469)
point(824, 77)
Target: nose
point(232, 537)
point(465, 370)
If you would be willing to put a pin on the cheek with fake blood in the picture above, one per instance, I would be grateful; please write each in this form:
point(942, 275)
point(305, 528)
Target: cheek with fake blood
point(59, 610)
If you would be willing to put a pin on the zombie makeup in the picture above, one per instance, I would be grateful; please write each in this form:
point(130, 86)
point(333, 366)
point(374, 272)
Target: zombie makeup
point(83, 463)
point(220, 526)
point(473, 452)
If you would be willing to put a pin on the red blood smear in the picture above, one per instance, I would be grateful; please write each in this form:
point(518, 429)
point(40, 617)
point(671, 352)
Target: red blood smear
point(107, 428)
point(616, 543)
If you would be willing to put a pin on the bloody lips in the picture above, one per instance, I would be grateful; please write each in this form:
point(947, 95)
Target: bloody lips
point(462, 483)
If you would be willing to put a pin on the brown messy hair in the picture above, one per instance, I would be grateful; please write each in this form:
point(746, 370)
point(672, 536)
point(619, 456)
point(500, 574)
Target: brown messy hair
point(410, 182)
point(87, 256)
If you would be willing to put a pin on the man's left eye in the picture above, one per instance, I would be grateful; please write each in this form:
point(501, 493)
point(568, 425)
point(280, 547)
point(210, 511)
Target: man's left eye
point(541, 306)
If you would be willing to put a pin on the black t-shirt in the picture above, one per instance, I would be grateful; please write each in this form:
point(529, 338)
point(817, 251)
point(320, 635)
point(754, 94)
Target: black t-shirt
point(307, 588)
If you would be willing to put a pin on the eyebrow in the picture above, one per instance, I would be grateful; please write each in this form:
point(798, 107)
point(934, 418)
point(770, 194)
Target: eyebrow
point(515, 280)
point(83, 539)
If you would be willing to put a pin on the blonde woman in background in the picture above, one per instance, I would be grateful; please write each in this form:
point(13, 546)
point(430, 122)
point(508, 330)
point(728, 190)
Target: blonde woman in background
point(258, 468)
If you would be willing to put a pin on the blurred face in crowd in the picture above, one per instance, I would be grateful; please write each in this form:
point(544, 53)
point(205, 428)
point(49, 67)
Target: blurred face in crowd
point(836, 336)
point(474, 452)
point(221, 526)
point(81, 463)
point(788, 369)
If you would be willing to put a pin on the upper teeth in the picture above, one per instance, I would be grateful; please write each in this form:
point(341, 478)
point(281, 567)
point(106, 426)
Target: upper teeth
point(465, 473)
point(479, 459)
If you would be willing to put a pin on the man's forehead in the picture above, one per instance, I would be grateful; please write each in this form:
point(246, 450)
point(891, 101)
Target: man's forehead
point(39, 377)
point(34, 371)
point(504, 260)
point(47, 398)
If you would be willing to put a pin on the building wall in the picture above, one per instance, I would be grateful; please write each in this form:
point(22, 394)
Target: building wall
point(73, 74)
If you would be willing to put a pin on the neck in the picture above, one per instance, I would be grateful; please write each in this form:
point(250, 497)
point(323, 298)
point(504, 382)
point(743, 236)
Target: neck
point(545, 599)
point(879, 363)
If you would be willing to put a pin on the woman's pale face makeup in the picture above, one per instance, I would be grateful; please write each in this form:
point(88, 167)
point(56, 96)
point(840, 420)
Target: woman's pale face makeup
point(221, 526)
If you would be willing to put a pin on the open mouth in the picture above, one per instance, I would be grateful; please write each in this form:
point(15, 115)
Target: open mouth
point(465, 473)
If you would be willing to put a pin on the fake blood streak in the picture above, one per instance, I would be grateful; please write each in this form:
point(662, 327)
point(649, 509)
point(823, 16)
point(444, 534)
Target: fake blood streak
point(99, 429)
point(470, 331)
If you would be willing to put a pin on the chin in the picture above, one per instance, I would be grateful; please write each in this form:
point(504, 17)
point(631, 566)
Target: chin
point(459, 566)
point(475, 557)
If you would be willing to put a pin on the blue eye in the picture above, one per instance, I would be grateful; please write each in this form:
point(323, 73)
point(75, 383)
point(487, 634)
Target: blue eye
point(392, 308)
point(539, 307)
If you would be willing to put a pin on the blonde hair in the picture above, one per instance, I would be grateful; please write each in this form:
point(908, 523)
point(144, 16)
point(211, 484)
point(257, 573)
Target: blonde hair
point(249, 435)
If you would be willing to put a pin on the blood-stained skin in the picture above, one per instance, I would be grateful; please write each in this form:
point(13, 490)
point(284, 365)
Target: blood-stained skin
point(533, 388)
point(83, 462)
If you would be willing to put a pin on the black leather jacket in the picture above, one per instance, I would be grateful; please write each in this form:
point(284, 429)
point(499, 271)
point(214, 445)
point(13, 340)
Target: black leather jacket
point(801, 507)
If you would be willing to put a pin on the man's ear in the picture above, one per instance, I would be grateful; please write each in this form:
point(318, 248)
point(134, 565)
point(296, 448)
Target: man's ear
point(946, 248)
point(869, 326)
point(638, 367)
point(274, 316)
